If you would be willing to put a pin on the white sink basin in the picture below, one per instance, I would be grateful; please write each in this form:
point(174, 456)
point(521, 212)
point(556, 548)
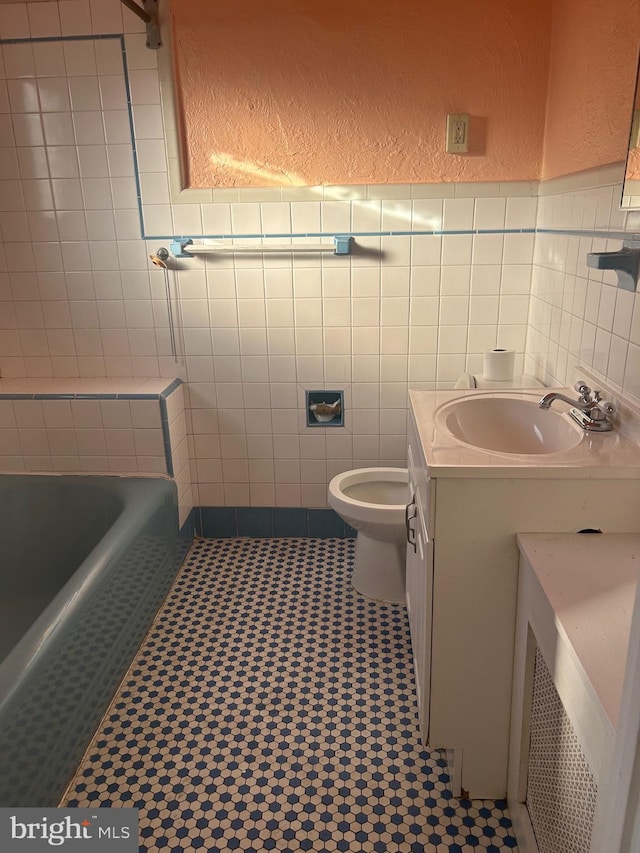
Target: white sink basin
point(509, 425)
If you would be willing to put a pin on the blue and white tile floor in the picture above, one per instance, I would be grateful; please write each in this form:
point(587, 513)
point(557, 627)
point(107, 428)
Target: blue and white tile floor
point(271, 707)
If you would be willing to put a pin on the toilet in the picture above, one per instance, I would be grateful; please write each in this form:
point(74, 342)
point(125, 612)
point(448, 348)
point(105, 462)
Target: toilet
point(373, 501)
point(468, 381)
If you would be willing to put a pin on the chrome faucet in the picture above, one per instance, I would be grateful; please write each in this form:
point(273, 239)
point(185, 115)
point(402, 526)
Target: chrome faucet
point(590, 412)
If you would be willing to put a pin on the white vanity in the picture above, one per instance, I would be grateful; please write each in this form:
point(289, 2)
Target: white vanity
point(462, 563)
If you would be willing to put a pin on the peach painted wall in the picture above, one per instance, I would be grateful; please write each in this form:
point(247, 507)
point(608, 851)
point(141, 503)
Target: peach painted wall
point(302, 92)
point(592, 74)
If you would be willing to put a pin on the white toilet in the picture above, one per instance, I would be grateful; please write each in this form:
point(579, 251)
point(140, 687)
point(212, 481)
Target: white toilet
point(468, 381)
point(373, 501)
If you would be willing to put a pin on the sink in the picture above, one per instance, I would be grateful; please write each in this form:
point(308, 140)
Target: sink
point(509, 425)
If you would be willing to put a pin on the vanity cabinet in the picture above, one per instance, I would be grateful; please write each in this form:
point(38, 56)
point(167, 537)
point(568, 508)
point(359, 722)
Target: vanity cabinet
point(419, 578)
point(462, 577)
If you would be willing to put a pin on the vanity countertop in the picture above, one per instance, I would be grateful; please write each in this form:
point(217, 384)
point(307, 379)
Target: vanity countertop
point(609, 455)
point(590, 583)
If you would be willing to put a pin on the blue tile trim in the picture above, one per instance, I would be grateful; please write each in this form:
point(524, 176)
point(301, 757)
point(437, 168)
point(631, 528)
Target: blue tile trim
point(164, 420)
point(255, 521)
point(53, 396)
point(133, 396)
point(328, 234)
point(171, 388)
point(290, 522)
point(94, 37)
point(325, 523)
point(98, 395)
point(441, 232)
point(166, 437)
point(604, 235)
point(134, 150)
point(224, 522)
point(82, 396)
point(188, 530)
point(218, 522)
point(91, 396)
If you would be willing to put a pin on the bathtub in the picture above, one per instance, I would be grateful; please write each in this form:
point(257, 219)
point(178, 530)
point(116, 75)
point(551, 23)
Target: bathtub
point(85, 563)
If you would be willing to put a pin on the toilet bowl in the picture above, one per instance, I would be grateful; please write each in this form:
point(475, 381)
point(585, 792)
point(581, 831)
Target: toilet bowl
point(373, 501)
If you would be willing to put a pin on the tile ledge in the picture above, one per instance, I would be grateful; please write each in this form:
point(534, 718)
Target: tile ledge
point(88, 388)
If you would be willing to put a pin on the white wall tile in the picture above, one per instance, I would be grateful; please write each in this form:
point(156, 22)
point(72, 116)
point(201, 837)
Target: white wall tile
point(18, 60)
point(488, 249)
point(106, 16)
point(49, 59)
point(456, 249)
point(489, 213)
point(14, 21)
point(259, 330)
point(521, 212)
point(246, 218)
point(75, 17)
point(426, 250)
point(458, 214)
point(44, 19)
point(80, 58)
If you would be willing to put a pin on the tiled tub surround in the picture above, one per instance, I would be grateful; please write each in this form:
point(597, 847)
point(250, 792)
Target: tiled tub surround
point(99, 426)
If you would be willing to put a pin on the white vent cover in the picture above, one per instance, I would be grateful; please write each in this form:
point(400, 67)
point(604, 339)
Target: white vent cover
point(561, 792)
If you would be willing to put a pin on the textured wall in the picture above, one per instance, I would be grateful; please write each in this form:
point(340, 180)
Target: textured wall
point(591, 83)
point(295, 92)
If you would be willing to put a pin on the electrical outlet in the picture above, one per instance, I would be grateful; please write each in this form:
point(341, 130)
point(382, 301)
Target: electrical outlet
point(457, 133)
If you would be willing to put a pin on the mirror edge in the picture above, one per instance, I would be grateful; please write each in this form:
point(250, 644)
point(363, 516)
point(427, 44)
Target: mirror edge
point(630, 192)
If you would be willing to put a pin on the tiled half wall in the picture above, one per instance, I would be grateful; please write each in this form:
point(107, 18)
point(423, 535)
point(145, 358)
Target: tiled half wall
point(96, 427)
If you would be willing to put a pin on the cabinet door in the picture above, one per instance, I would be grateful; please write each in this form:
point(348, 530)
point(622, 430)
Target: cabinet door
point(419, 566)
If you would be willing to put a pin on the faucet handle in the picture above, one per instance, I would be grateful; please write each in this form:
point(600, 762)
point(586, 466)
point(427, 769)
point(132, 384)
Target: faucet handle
point(582, 388)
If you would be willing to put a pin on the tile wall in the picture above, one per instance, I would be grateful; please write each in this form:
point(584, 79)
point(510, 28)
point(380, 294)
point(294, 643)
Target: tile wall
point(578, 314)
point(439, 273)
point(96, 426)
point(174, 421)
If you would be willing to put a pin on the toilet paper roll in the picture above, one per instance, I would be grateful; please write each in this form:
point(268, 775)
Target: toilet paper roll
point(498, 365)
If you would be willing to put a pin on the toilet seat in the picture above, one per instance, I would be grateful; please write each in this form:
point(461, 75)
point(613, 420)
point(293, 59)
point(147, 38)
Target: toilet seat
point(375, 495)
